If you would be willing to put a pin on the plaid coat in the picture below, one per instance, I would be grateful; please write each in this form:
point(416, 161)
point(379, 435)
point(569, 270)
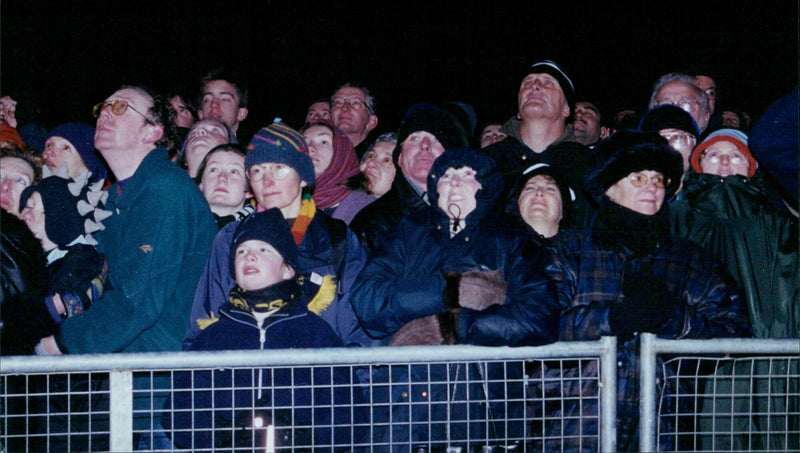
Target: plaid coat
point(708, 304)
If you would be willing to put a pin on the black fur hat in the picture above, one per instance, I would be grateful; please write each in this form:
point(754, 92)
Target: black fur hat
point(628, 151)
point(434, 120)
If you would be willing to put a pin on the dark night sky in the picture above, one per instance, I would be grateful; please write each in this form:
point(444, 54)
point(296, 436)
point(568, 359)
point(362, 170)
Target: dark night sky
point(74, 55)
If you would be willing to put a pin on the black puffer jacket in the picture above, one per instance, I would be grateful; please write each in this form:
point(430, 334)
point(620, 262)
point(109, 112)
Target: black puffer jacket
point(23, 314)
point(405, 277)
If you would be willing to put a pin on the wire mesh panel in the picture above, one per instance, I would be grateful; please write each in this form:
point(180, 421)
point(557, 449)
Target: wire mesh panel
point(732, 404)
point(55, 412)
point(720, 395)
point(378, 400)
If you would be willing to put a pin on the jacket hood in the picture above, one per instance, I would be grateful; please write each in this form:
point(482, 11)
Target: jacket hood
point(487, 173)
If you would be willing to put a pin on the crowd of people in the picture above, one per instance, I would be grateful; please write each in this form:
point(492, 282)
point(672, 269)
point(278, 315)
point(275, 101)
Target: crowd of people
point(166, 226)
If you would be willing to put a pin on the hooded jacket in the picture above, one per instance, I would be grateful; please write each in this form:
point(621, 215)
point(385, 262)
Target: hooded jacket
point(404, 279)
point(733, 219)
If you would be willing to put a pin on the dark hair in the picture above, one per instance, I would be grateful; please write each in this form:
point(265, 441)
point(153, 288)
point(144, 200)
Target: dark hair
point(186, 98)
point(230, 77)
point(227, 147)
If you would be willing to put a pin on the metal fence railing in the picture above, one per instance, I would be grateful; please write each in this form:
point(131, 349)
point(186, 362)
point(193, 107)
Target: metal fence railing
point(430, 398)
point(720, 395)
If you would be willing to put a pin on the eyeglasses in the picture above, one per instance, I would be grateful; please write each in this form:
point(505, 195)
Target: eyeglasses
point(678, 138)
point(715, 157)
point(118, 108)
point(354, 103)
point(641, 180)
point(277, 171)
point(687, 104)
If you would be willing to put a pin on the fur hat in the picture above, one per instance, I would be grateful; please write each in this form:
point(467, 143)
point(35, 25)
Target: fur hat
point(434, 120)
point(734, 136)
point(627, 151)
point(485, 168)
point(668, 116)
point(552, 68)
point(269, 226)
point(280, 143)
point(81, 136)
point(70, 208)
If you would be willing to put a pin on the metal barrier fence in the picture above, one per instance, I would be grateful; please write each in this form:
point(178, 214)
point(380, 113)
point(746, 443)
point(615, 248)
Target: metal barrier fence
point(720, 395)
point(431, 398)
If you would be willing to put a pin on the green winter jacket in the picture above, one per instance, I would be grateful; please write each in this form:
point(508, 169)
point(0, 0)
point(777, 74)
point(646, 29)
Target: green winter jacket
point(733, 218)
point(156, 242)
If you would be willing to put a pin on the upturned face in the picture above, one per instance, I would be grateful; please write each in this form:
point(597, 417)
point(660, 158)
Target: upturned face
point(320, 147)
point(59, 151)
point(417, 154)
point(201, 138)
point(379, 168)
point(15, 175)
point(457, 188)
point(224, 183)
point(540, 204)
point(540, 96)
point(724, 159)
point(257, 265)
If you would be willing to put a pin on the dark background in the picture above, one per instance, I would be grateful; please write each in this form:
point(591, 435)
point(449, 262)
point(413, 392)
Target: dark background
point(71, 55)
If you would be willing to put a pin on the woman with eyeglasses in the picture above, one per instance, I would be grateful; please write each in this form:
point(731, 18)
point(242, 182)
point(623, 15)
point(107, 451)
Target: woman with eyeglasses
point(626, 274)
point(728, 210)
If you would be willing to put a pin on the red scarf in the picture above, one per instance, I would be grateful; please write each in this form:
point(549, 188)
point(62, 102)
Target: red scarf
point(328, 191)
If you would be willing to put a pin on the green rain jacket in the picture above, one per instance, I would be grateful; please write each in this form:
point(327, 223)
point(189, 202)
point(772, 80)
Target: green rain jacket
point(733, 218)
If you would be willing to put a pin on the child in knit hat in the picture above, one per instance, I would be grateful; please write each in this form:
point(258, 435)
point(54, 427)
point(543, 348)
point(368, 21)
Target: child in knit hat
point(62, 213)
point(267, 309)
point(72, 144)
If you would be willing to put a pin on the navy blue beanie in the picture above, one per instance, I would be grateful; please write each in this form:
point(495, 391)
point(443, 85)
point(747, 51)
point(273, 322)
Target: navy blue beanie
point(436, 121)
point(81, 136)
point(271, 227)
point(280, 144)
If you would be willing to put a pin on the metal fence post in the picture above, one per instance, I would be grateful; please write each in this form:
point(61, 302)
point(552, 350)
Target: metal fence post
point(647, 394)
point(121, 408)
point(608, 381)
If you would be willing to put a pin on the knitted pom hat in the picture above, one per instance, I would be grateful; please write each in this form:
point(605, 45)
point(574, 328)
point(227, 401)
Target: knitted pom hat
point(269, 226)
point(734, 136)
point(552, 68)
point(668, 116)
point(70, 208)
point(280, 144)
point(81, 136)
point(434, 120)
point(627, 151)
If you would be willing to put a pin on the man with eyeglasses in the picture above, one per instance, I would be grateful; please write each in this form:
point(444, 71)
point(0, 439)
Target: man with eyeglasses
point(156, 239)
point(680, 90)
point(281, 174)
point(156, 242)
point(353, 112)
point(678, 127)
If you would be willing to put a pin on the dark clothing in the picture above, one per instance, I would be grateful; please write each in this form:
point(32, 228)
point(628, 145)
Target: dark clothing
point(372, 222)
point(732, 218)
point(569, 158)
point(319, 255)
point(615, 275)
point(23, 313)
point(299, 402)
point(74, 276)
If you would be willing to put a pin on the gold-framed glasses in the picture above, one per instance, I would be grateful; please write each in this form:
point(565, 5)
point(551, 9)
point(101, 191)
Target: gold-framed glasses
point(641, 180)
point(118, 108)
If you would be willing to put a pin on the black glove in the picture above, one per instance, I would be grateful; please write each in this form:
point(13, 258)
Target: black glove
point(646, 306)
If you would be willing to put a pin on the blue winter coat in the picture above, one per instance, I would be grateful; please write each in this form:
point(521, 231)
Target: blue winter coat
point(317, 258)
point(283, 397)
point(404, 280)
